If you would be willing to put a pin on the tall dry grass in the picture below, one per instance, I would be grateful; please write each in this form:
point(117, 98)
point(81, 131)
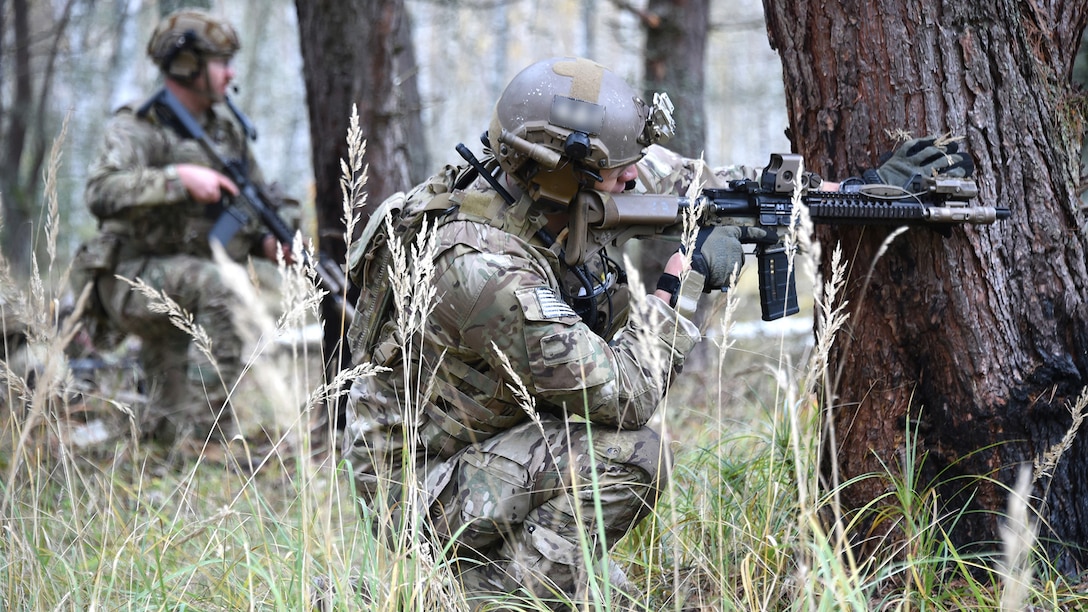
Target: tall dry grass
point(745, 524)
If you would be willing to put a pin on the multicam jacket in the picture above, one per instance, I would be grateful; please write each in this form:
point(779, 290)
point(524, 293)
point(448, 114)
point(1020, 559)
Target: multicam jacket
point(664, 171)
point(134, 190)
point(499, 324)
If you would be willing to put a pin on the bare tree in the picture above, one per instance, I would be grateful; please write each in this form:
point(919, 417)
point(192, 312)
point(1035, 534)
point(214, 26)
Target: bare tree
point(359, 53)
point(675, 62)
point(24, 124)
point(971, 345)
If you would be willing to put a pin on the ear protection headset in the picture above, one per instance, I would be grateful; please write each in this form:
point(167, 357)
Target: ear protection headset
point(183, 62)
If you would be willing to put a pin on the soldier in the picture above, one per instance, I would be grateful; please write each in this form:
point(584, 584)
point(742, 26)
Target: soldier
point(156, 195)
point(513, 428)
point(515, 487)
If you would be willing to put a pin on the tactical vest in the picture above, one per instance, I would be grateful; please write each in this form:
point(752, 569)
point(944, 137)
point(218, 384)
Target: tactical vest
point(369, 258)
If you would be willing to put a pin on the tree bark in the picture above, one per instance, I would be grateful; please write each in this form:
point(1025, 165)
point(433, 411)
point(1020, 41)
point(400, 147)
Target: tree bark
point(675, 63)
point(17, 204)
point(358, 52)
point(24, 138)
point(974, 344)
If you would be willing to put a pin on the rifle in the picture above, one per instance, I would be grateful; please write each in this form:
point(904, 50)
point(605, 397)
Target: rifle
point(252, 199)
point(768, 202)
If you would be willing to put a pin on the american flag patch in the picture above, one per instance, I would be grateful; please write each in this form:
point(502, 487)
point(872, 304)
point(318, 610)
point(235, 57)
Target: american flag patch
point(551, 305)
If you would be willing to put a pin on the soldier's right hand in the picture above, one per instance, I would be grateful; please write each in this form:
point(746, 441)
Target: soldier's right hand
point(204, 184)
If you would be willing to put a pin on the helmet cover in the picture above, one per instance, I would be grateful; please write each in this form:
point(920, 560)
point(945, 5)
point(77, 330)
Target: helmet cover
point(572, 117)
point(184, 39)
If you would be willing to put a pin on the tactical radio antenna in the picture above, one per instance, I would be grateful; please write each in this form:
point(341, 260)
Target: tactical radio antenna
point(480, 171)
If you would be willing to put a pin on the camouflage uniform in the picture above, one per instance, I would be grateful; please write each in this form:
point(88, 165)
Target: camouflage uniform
point(518, 497)
point(150, 229)
point(665, 171)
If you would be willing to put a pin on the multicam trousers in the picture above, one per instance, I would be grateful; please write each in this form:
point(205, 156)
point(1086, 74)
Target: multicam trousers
point(188, 380)
point(526, 508)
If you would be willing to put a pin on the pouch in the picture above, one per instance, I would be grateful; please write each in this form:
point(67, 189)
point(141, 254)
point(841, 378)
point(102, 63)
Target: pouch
point(98, 255)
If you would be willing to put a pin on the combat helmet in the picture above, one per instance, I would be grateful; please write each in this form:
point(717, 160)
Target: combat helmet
point(185, 39)
point(560, 121)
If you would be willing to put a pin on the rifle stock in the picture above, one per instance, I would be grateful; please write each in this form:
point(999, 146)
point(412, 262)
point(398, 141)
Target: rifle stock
point(769, 202)
point(252, 201)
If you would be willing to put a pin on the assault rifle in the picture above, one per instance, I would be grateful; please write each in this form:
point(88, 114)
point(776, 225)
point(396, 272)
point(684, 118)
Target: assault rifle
point(768, 203)
point(252, 201)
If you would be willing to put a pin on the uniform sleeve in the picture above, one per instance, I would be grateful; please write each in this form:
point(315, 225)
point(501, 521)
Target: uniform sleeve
point(665, 172)
point(503, 303)
point(127, 172)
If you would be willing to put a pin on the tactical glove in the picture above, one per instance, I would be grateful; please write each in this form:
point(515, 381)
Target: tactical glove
point(925, 157)
point(718, 255)
point(758, 235)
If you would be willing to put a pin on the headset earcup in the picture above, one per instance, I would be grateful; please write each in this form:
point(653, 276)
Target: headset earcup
point(185, 66)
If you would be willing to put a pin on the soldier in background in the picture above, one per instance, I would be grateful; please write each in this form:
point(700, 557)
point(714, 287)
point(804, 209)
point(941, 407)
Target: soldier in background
point(156, 196)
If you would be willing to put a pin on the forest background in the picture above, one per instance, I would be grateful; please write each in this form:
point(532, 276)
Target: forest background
point(466, 52)
point(747, 525)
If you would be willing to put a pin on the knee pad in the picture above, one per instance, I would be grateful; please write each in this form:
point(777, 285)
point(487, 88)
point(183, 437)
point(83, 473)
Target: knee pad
point(638, 448)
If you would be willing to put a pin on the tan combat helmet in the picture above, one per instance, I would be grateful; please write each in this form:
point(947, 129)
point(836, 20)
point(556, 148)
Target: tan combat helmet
point(185, 39)
point(561, 121)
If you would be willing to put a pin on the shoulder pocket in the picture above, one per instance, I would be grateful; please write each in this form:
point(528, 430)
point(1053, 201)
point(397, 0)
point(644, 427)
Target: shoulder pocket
point(545, 304)
point(563, 355)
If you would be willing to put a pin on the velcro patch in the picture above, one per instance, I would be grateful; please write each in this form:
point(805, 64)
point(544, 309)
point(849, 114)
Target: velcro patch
point(551, 305)
point(544, 304)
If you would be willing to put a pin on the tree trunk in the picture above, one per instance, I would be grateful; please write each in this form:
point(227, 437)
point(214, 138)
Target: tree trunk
point(24, 127)
point(355, 53)
point(675, 62)
point(974, 344)
point(17, 197)
point(360, 53)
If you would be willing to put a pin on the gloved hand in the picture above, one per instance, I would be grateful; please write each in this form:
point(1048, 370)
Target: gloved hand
point(926, 157)
point(758, 235)
point(717, 254)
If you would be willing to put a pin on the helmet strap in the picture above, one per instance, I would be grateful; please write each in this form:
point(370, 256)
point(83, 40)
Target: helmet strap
point(588, 175)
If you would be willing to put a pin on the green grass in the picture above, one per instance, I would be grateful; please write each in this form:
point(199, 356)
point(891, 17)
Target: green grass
point(744, 524)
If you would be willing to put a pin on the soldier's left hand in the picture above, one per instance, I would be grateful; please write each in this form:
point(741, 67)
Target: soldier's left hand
point(925, 157)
